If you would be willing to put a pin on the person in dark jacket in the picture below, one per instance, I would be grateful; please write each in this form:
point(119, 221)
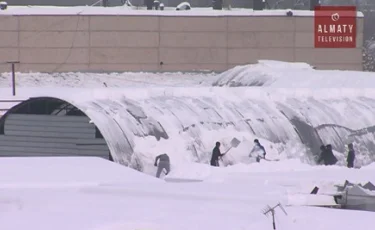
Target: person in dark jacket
point(331, 157)
point(351, 156)
point(215, 155)
point(164, 163)
point(327, 155)
point(322, 155)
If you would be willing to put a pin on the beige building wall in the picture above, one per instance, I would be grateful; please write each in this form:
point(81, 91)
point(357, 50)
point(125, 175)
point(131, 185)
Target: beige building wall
point(163, 43)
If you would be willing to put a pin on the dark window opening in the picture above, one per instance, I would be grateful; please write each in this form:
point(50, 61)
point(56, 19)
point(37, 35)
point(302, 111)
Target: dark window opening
point(45, 106)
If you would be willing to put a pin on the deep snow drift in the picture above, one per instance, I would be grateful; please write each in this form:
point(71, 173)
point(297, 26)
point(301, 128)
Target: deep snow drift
point(94, 194)
point(45, 172)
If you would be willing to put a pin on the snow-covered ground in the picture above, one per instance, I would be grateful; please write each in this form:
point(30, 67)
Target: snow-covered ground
point(94, 194)
point(103, 80)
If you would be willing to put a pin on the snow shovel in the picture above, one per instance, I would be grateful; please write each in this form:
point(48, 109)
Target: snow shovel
point(269, 159)
point(234, 143)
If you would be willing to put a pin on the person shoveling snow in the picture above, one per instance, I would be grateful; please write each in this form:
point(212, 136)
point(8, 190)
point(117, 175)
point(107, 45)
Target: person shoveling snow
point(164, 164)
point(259, 150)
point(216, 154)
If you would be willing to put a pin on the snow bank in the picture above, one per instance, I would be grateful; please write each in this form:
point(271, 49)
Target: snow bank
point(239, 193)
point(369, 167)
point(104, 80)
point(198, 171)
point(265, 73)
point(47, 172)
point(268, 73)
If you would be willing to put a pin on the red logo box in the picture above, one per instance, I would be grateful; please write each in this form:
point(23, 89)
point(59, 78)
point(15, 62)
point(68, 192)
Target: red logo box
point(335, 26)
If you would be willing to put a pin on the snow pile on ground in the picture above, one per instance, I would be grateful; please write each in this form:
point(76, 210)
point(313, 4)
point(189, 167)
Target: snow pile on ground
point(265, 73)
point(205, 172)
point(268, 73)
point(104, 80)
point(238, 193)
point(49, 172)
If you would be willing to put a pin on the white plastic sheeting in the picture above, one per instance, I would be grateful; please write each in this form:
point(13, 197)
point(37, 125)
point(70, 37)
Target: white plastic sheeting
point(185, 122)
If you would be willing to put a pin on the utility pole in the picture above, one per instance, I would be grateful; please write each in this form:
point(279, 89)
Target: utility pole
point(13, 76)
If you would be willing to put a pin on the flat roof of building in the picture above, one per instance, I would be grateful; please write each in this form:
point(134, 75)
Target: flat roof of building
point(134, 11)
